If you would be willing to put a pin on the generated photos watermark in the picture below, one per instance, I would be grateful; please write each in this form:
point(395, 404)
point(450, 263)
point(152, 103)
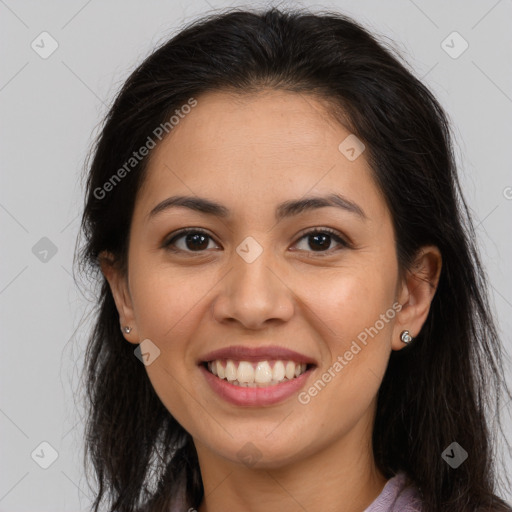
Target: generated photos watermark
point(137, 156)
point(305, 397)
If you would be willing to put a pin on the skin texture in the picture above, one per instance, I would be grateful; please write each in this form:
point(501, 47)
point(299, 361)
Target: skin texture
point(251, 153)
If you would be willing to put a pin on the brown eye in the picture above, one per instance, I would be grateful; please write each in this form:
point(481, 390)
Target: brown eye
point(194, 240)
point(319, 240)
point(197, 240)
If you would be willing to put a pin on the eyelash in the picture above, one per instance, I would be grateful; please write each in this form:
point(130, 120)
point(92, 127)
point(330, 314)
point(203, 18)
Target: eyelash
point(168, 245)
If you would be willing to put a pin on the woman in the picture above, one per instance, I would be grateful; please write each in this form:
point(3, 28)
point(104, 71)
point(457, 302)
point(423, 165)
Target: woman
point(293, 314)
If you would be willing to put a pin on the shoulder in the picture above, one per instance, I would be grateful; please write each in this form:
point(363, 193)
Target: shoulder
point(401, 494)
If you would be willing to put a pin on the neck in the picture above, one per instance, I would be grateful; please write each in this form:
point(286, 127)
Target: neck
point(342, 473)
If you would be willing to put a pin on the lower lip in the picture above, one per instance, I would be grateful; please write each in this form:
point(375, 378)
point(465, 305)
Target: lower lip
point(239, 395)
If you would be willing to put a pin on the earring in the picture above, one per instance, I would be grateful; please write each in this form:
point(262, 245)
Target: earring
point(127, 329)
point(405, 337)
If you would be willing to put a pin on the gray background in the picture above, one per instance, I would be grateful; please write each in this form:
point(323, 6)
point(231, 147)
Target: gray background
point(50, 111)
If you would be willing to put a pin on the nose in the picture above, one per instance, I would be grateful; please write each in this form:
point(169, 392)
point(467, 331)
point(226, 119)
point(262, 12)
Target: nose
point(254, 294)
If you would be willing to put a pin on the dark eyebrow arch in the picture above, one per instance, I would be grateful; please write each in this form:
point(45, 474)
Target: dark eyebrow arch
point(283, 210)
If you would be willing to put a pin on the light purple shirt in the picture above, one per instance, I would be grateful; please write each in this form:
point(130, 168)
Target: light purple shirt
point(399, 494)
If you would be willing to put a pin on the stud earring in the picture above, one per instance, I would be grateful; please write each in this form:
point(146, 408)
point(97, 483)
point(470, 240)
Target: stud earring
point(405, 337)
point(127, 329)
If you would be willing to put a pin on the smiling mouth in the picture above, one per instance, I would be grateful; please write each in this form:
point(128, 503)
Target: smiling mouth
point(260, 374)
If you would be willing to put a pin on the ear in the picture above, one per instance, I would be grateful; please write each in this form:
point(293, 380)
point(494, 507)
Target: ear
point(118, 282)
point(416, 292)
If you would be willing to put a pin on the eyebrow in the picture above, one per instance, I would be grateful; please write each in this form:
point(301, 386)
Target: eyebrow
point(283, 210)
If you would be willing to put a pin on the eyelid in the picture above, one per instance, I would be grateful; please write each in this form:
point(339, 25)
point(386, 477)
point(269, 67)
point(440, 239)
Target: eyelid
point(341, 239)
point(345, 240)
point(167, 242)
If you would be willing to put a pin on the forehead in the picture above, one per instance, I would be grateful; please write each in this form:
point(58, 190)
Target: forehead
point(277, 119)
point(257, 146)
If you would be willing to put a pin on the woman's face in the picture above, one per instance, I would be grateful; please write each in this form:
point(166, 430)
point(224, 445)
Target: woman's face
point(256, 280)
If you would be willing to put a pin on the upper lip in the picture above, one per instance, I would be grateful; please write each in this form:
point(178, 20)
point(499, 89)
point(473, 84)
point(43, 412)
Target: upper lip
point(253, 354)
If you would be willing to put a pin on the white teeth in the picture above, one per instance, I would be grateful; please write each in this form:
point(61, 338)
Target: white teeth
point(221, 372)
point(245, 372)
point(230, 370)
point(290, 370)
point(261, 374)
point(278, 371)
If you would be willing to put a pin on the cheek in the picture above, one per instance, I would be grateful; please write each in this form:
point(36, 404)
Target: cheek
point(162, 302)
point(354, 317)
point(351, 300)
point(356, 345)
point(168, 306)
